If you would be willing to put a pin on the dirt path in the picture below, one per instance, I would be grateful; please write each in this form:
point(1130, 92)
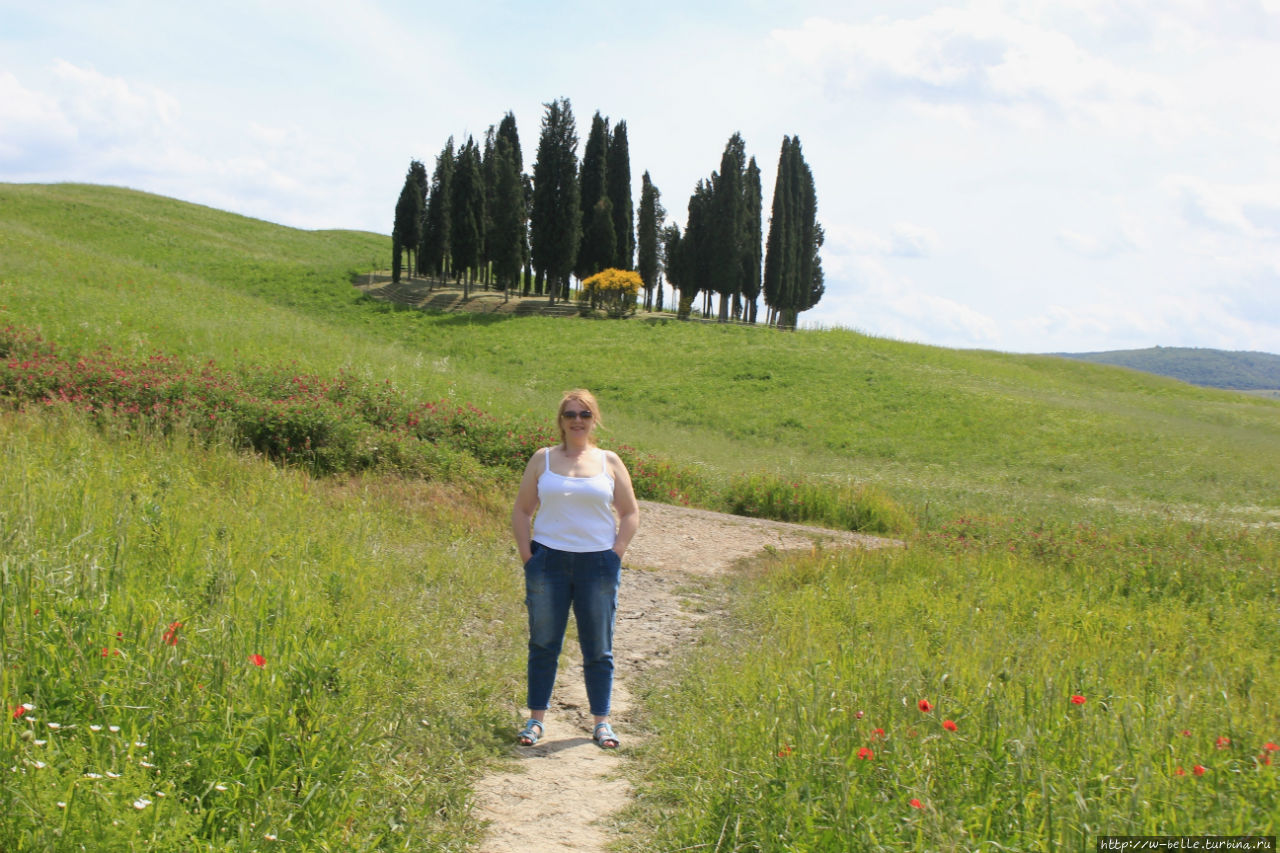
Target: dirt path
point(563, 788)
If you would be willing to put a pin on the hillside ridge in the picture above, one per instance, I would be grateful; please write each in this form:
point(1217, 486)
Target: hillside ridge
point(1236, 370)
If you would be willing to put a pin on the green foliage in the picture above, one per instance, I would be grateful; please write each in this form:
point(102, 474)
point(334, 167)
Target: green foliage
point(203, 651)
point(1079, 681)
point(843, 507)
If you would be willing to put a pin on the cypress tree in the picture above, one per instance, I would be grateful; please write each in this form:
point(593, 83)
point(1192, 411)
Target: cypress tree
point(437, 239)
point(727, 226)
point(598, 244)
point(556, 222)
point(673, 264)
point(647, 239)
point(507, 237)
point(793, 277)
point(618, 182)
point(752, 258)
point(468, 213)
point(406, 230)
point(594, 186)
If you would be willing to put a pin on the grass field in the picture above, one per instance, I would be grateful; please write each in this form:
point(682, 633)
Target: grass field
point(1087, 604)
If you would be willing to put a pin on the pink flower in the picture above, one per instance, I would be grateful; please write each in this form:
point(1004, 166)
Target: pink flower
point(257, 660)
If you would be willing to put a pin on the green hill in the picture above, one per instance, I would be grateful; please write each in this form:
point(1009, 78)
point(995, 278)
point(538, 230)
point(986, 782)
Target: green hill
point(1212, 368)
point(203, 648)
point(90, 265)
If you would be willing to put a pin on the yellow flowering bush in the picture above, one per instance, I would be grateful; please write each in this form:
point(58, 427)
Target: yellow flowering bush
point(614, 290)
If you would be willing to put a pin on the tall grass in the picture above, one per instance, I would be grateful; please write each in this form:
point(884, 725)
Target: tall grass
point(992, 687)
point(203, 651)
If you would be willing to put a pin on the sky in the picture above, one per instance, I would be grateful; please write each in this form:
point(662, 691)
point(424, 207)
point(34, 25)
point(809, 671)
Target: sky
point(1014, 175)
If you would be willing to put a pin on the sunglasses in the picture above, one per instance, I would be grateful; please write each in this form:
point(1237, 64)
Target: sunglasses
point(585, 414)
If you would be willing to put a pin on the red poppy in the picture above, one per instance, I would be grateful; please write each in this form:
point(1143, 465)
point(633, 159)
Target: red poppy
point(19, 711)
point(1186, 732)
point(1199, 769)
point(1077, 699)
point(1270, 747)
point(1179, 772)
point(1264, 759)
point(949, 725)
point(924, 705)
point(257, 660)
point(916, 804)
point(170, 637)
point(1222, 742)
point(866, 754)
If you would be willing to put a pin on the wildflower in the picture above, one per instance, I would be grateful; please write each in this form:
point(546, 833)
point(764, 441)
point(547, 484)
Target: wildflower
point(858, 715)
point(924, 705)
point(1222, 742)
point(95, 728)
point(1186, 732)
point(113, 729)
point(170, 637)
point(257, 660)
point(866, 754)
point(1178, 771)
point(19, 711)
point(916, 804)
point(141, 803)
point(949, 725)
point(1270, 747)
point(785, 751)
point(111, 775)
point(93, 775)
point(40, 742)
point(878, 734)
point(1199, 769)
point(1077, 699)
point(219, 787)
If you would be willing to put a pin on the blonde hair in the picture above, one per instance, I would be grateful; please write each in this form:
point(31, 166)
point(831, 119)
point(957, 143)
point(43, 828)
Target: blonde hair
point(587, 399)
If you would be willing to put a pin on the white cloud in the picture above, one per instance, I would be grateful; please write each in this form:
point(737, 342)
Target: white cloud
point(980, 60)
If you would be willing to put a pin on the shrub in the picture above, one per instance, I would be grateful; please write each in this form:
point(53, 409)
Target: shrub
point(614, 290)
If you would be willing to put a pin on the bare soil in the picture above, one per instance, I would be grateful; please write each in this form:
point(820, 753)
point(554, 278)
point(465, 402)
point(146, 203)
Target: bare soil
point(560, 793)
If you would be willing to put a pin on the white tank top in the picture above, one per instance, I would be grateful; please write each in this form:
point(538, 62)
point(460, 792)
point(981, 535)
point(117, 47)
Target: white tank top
point(575, 513)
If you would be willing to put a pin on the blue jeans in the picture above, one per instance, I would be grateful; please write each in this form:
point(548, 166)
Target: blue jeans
point(554, 581)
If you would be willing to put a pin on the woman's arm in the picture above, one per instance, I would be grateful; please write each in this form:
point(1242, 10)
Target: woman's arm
point(526, 505)
point(624, 503)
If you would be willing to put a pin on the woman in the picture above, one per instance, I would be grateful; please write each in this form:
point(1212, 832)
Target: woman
point(573, 557)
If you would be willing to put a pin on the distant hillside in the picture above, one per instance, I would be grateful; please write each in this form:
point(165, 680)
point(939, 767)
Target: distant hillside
point(1212, 368)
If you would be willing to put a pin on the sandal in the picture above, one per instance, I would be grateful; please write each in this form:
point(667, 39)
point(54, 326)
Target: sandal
point(604, 736)
point(527, 736)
